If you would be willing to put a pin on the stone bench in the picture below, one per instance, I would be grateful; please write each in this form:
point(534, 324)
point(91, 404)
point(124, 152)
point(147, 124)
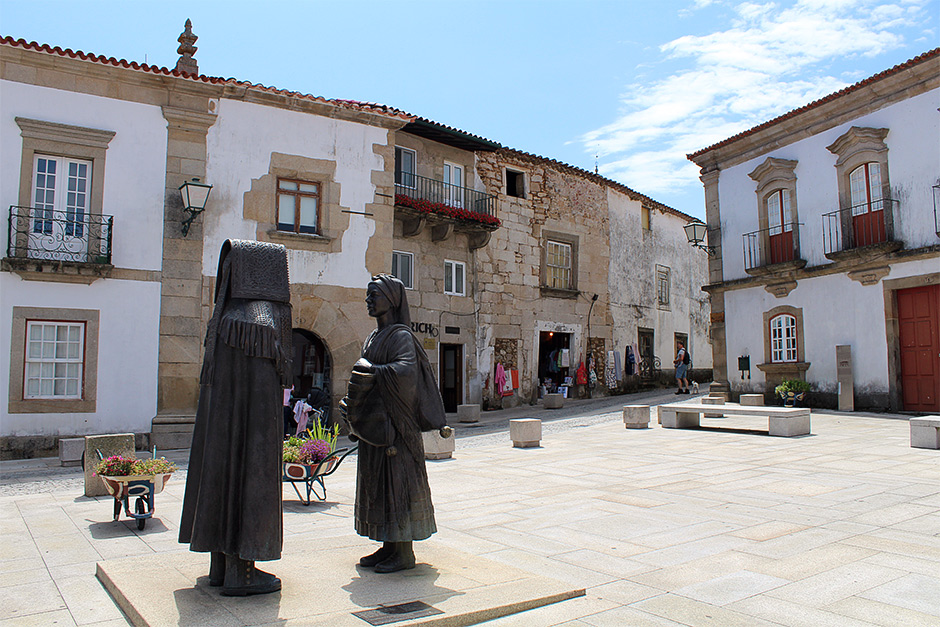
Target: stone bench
point(783, 421)
point(925, 432)
point(636, 416)
point(525, 432)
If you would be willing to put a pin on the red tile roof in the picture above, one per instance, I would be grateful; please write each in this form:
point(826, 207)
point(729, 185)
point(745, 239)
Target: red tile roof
point(368, 107)
point(931, 54)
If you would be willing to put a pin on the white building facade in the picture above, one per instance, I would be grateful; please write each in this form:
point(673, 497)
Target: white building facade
point(827, 264)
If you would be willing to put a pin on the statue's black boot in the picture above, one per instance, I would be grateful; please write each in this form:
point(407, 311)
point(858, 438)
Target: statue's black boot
point(379, 556)
point(402, 559)
point(216, 568)
point(243, 579)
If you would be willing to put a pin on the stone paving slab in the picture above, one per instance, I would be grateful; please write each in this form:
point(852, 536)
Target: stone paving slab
point(323, 586)
point(661, 527)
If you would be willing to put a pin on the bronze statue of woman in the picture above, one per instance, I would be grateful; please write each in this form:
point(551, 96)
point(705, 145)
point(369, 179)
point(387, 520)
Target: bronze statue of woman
point(392, 398)
point(232, 505)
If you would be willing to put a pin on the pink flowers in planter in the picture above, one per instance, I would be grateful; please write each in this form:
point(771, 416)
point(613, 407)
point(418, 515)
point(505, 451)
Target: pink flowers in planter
point(439, 208)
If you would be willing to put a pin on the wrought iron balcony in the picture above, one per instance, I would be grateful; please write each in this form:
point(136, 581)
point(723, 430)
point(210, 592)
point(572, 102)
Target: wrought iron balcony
point(46, 235)
point(861, 226)
point(468, 207)
point(774, 247)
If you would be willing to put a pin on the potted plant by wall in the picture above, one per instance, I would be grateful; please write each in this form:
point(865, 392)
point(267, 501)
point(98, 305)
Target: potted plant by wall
point(792, 391)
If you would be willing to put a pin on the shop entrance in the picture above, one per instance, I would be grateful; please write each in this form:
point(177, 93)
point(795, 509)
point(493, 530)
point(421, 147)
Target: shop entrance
point(556, 363)
point(313, 370)
point(451, 376)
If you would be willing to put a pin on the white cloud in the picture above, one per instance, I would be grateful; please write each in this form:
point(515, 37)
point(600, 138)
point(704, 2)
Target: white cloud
point(774, 57)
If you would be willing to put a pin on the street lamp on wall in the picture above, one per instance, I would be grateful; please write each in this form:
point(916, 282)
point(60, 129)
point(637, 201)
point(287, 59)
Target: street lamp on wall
point(695, 233)
point(195, 195)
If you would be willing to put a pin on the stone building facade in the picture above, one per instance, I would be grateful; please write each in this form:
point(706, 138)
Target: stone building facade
point(503, 252)
point(836, 204)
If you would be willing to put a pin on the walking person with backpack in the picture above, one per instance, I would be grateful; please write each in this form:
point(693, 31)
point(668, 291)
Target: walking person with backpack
point(682, 363)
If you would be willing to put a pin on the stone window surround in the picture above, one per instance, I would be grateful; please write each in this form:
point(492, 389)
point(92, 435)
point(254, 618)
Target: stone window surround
point(41, 137)
point(857, 146)
point(663, 273)
point(892, 328)
point(88, 403)
point(522, 195)
point(563, 238)
point(775, 372)
point(261, 203)
point(772, 176)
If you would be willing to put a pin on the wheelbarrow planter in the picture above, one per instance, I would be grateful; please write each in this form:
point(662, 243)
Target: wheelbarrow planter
point(141, 487)
point(313, 474)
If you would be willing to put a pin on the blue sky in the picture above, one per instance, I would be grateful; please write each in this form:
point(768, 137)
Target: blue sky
point(630, 85)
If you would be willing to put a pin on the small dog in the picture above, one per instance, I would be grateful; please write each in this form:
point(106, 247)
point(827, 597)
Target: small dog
point(695, 387)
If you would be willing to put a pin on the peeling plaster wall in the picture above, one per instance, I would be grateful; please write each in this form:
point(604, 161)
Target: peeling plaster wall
point(635, 253)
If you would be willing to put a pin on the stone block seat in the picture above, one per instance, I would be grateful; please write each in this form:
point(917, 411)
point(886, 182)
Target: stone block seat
point(525, 432)
point(636, 416)
point(925, 432)
point(783, 421)
point(554, 401)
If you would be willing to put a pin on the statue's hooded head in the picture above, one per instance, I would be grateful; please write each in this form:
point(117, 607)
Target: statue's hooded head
point(394, 290)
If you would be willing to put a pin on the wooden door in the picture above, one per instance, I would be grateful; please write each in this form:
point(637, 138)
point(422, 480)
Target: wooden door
point(451, 376)
point(868, 216)
point(779, 217)
point(919, 329)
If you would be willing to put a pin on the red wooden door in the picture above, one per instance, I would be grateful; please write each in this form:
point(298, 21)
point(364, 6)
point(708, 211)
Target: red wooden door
point(868, 216)
point(919, 328)
point(781, 247)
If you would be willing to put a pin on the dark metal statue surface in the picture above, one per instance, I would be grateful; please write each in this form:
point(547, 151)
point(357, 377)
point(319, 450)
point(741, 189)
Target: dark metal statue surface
point(392, 398)
point(232, 505)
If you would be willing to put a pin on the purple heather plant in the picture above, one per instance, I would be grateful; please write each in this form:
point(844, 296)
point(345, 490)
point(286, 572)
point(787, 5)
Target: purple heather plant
point(315, 451)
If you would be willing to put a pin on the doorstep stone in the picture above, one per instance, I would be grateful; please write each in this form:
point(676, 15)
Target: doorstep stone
point(525, 432)
point(636, 416)
point(925, 432)
point(437, 447)
point(109, 444)
point(754, 400)
point(172, 432)
point(468, 413)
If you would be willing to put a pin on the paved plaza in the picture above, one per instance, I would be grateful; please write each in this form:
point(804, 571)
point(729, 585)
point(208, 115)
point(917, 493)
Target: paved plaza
point(722, 526)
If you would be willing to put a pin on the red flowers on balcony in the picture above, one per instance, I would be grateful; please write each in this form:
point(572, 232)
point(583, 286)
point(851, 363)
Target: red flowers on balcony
point(439, 208)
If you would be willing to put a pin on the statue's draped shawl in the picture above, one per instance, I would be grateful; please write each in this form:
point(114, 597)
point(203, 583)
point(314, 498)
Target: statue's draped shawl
point(233, 487)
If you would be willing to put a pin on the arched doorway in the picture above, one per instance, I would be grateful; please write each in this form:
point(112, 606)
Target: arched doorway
point(313, 366)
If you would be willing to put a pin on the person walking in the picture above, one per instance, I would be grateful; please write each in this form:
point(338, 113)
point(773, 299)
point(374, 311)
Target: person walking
point(682, 365)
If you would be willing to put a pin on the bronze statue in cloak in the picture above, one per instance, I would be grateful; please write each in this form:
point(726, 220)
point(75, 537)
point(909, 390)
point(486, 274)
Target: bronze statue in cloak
point(392, 397)
point(232, 505)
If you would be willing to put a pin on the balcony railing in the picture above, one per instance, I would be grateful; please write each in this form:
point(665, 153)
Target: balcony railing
point(59, 235)
point(766, 247)
point(445, 198)
point(863, 225)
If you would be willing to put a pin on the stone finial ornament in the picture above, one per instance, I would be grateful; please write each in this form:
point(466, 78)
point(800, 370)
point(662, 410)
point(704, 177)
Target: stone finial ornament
point(186, 51)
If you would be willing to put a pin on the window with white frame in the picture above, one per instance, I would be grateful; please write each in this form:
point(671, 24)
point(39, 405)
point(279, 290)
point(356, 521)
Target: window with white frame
point(298, 204)
point(783, 339)
point(454, 273)
point(558, 264)
point(662, 285)
point(54, 360)
point(405, 166)
point(403, 265)
point(61, 196)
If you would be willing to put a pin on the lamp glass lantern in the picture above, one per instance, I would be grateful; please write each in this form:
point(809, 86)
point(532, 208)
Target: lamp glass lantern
point(194, 195)
point(695, 232)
